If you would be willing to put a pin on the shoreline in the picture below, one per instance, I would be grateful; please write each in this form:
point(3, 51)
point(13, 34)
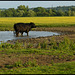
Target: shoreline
point(64, 31)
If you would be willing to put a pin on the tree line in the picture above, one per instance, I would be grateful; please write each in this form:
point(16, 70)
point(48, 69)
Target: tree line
point(24, 11)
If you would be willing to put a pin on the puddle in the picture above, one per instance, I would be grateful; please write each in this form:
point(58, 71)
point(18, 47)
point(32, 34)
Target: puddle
point(9, 35)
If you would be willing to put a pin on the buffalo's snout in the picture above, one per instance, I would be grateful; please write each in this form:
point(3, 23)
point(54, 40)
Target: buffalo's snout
point(33, 26)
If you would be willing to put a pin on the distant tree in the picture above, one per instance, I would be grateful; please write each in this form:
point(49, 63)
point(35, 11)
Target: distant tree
point(20, 13)
point(27, 8)
point(60, 13)
point(50, 12)
point(3, 14)
point(8, 13)
point(39, 11)
point(24, 11)
point(73, 9)
point(45, 14)
point(31, 13)
point(21, 7)
point(25, 14)
point(66, 13)
point(13, 12)
point(73, 13)
point(69, 12)
point(0, 13)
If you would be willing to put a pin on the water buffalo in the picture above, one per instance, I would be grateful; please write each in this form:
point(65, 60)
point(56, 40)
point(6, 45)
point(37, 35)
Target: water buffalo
point(23, 27)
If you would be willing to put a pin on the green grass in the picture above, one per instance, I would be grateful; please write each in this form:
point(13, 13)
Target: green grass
point(58, 68)
point(64, 49)
point(7, 23)
point(55, 25)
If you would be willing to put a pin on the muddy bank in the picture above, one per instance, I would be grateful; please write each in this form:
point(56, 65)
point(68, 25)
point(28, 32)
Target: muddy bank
point(65, 32)
point(40, 59)
point(62, 30)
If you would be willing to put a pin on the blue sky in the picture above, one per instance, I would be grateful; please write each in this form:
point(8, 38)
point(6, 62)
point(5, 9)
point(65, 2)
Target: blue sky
point(33, 4)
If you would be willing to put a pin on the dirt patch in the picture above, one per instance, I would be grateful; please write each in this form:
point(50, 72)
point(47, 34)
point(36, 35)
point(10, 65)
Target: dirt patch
point(40, 59)
point(66, 30)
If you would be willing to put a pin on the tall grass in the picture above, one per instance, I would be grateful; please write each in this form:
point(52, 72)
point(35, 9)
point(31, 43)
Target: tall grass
point(58, 68)
point(65, 44)
point(6, 23)
point(64, 50)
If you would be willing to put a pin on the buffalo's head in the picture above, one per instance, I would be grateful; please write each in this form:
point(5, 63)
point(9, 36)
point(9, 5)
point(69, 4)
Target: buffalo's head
point(32, 25)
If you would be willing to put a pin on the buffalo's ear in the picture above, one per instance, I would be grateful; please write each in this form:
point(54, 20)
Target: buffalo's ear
point(31, 22)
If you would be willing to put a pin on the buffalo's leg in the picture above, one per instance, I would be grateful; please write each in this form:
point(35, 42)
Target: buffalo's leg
point(17, 34)
point(14, 32)
point(27, 33)
point(21, 33)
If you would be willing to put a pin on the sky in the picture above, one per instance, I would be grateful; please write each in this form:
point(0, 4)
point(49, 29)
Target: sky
point(33, 4)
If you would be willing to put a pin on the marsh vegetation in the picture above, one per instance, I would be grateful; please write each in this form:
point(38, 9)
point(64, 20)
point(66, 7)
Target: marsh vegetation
point(42, 55)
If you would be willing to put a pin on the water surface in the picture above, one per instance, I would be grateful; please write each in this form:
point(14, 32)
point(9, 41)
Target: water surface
point(9, 35)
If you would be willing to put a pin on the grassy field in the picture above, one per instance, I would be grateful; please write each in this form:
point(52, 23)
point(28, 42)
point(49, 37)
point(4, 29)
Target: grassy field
point(55, 57)
point(21, 59)
point(6, 23)
point(59, 68)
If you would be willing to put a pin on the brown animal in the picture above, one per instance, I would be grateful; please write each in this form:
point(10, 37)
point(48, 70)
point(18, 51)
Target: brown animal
point(23, 27)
